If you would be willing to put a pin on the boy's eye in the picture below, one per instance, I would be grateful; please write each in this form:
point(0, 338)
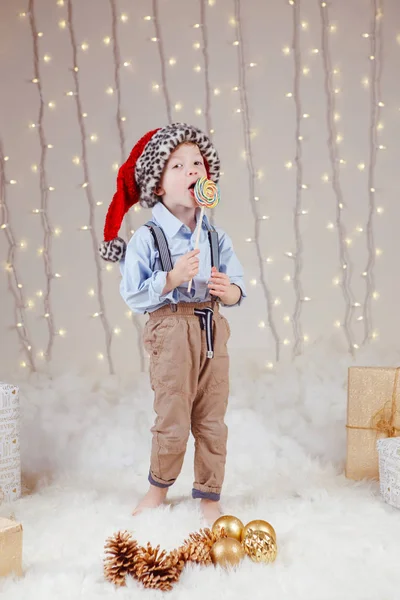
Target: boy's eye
point(199, 162)
point(177, 165)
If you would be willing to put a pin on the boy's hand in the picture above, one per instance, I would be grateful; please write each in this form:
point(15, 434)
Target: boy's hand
point(219, 284)
point(186, 267)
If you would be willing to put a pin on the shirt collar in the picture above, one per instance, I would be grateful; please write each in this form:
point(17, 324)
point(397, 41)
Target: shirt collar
point(169, 223)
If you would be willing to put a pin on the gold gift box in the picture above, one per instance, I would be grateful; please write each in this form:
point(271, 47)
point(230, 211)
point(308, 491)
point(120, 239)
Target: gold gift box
point(373, 412)
point(10, 548)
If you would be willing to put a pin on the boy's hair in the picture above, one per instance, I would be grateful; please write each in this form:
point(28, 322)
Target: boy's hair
point(140, 175)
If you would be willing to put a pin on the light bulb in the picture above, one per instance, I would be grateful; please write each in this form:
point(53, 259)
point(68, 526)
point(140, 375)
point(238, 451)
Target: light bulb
point(147, 18)
point(124, 18)
point(337, 324)
point(91, 292)
point(289, 164)
point(155, 87)
point(270, 365)
point(217, 92)
point(253, 281)
point(375, 295)
point(269, 260)
point(333, 28)
point(361, 166)
point(109, 90)
point(261, 324)
point(198, 111)
point(154, 39)
point(178, 106)
point(172, 61)
point(336, 281)
point(107, 40)
point(100, 356)
point(306, 70)
point(304, 25)
point(117, 330)
point(286, 50)
point(325, 177)
point(94, 137)
point(47, 58)
point(286, 319)
point(196, 46)
point(85, 46)
point(197, 68)
point(380, 210)
point(286, 342)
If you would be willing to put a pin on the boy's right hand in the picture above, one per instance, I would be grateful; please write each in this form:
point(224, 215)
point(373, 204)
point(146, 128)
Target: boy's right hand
point(186, 267)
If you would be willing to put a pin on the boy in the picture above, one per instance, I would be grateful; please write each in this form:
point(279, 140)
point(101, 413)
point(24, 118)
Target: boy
point(185, 335)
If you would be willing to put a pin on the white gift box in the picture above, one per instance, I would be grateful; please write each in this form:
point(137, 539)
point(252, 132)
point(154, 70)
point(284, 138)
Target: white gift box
point(10, 457)
point(389, 470)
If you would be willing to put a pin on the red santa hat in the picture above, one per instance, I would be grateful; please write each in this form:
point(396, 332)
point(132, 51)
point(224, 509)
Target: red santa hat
point(140, 175)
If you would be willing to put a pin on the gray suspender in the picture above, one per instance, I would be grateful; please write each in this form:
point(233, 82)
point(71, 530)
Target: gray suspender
point(163, 250)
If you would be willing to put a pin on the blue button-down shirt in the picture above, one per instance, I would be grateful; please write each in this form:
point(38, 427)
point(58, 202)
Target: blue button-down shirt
point(143, 281)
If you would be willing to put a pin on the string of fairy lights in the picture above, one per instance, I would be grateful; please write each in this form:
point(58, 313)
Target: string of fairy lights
point(376, 105)
point(244, 110)
point(15, 286)
point(334, 139)
point(45, 188)
point(297, 214)
point(86, 185)
point(120, 119)
point(173, 107)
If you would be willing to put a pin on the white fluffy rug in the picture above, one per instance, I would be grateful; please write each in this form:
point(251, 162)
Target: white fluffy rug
point(85, 447)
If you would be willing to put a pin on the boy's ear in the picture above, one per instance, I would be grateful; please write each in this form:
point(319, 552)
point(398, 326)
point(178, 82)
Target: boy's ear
point(159, 191)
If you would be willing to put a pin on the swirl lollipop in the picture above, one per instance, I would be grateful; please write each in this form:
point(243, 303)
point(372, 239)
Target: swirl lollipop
point(207, 195)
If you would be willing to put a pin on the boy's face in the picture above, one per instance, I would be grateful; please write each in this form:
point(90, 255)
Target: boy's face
point(183, 169)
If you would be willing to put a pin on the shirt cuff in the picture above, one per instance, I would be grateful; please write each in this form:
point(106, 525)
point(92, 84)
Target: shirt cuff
point(158, 283)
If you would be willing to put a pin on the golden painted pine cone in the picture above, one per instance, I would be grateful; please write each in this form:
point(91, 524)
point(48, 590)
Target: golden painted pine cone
point(120, 552)
point(157, 569)
point(197, 547)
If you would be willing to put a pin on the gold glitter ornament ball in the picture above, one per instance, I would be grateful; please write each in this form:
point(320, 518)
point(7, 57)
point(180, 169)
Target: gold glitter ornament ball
point(227, 552)
point(258, 525)
point(232, 526)
point(260, 546)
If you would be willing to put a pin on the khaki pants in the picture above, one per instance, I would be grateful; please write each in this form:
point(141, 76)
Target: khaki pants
point(191, 394)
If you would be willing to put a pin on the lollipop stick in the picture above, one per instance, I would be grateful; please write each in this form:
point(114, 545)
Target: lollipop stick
point(199, 223)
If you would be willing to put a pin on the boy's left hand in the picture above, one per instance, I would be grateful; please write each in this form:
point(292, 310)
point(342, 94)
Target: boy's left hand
point(219, 283)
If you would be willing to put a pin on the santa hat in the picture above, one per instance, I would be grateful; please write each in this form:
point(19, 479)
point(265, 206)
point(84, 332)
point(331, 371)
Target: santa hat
point(140, 175)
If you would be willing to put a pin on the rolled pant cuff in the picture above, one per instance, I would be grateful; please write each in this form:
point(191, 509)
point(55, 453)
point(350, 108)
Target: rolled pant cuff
point(205, 495)
point(159, 483)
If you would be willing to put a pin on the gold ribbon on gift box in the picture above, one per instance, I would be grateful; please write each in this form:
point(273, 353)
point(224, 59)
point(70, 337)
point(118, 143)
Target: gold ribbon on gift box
point(383, 420)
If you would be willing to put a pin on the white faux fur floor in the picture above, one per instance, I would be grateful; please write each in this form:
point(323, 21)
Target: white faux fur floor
point(85, 447)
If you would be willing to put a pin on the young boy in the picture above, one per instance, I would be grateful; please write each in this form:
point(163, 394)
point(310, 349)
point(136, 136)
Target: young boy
point(186, 336)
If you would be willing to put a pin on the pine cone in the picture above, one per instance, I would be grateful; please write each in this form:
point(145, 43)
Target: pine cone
point(157, 569)
point(197, 547)
point(120, 552)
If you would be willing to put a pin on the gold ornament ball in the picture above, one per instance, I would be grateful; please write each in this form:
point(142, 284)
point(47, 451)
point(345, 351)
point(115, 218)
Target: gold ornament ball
point(260, 546)
point(227, 552)
point(259, 525)
point(232, 525)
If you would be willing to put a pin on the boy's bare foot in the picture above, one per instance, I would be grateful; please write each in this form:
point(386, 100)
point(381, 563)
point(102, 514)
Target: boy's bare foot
point(154, 498)
point(211, 510)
